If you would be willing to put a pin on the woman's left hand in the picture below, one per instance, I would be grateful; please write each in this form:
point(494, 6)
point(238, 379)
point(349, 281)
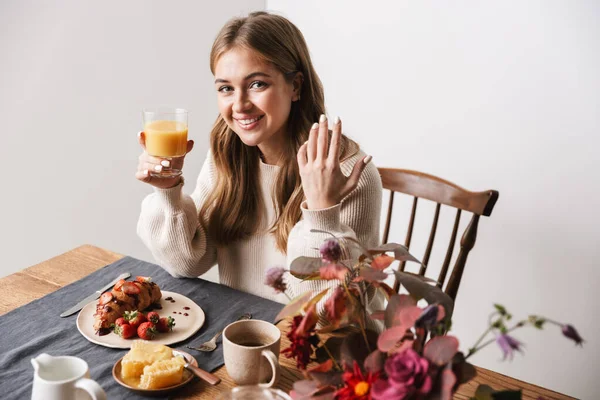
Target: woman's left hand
point(323, 182)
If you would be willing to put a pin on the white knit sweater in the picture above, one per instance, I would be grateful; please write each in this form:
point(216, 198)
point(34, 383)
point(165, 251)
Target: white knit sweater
point(170, 227)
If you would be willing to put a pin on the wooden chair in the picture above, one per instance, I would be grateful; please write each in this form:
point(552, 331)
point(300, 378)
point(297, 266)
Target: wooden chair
point(424, 186)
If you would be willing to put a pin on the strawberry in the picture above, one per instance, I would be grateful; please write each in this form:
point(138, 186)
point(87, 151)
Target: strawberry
point(143, 279)
point(134, 318)
point(125, 331)
point(130, 288)
point(119, 284)
point(146, 331)
point(106, 298)
point(121, 321)
point(153, 317)
point(165, 324)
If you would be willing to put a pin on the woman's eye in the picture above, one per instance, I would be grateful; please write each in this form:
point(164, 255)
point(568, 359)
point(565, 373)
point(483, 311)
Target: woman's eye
point(258, 85)
point(225, 89)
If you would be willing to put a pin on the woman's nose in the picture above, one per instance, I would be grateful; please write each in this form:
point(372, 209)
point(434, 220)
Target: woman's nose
point(241, 102)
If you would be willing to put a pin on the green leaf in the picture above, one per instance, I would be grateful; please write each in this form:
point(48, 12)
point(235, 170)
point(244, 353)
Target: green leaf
point(500, 309)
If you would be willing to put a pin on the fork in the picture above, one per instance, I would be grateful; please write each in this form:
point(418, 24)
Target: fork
point(211, 345)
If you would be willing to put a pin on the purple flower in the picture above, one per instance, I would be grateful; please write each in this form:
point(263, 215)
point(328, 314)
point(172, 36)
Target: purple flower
point(274, 278)
point(570, 332)
point(428, 317)
point(407, 375)
point(331, 251)
point(508, 345)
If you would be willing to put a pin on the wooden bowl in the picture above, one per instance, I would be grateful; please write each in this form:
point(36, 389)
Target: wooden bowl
point(187, 377)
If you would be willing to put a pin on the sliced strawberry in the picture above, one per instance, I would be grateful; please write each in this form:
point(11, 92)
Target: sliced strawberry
point(106, 298)
point(143, 279)
point(130, 288)
point(146, 331)
point(119, 284)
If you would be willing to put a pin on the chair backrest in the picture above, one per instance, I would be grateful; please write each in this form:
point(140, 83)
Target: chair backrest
point(429, 187)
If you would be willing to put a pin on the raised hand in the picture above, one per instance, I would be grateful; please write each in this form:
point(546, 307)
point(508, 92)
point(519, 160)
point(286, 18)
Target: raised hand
point(323, 182)
point(148, 163)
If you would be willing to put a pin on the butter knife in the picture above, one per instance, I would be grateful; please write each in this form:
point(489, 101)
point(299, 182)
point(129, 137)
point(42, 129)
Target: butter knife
point(93, 296)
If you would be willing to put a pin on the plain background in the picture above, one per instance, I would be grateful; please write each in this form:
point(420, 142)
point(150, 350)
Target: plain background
point(491, 95)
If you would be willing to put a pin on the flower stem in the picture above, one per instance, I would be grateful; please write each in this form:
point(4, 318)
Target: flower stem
point(475, 349)
point(331, 356)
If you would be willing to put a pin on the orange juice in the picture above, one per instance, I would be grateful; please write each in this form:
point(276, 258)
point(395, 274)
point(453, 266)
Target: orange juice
point(166, 138)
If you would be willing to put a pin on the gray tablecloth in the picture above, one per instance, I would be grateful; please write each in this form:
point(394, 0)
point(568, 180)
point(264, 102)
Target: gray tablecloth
point(37, 328)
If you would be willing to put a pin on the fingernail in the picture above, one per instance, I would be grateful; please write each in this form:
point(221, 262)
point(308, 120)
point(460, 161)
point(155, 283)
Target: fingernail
point(315, 126)
point(337, 120)
point(145, 172)
point(158, 168)
point(367, 159)
point(139, 134)
point(323, 118)
point(165, 163)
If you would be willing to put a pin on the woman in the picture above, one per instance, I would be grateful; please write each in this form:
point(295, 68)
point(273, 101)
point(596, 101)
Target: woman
point(272, 173)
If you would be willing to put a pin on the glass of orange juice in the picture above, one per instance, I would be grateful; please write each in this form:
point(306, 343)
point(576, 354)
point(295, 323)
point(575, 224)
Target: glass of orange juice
point(166, 131)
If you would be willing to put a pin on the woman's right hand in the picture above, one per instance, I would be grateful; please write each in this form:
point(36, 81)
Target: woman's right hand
point(149, 163)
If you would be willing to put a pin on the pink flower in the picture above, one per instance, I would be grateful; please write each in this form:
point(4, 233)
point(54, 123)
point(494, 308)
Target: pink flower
point(274, 278)
point(331, 251)
point(407, 375)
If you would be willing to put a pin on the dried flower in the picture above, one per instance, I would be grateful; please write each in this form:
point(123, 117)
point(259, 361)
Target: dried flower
point(302, 338)
point(570, 332)
point(428, 318)
point(331, 251)
point(508, 345)
point(357, 386)
point(274, 278)
point(407, 374)
point(335, 306)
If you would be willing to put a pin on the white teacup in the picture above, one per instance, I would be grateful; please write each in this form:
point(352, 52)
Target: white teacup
point(63, 378)
point(251, 352)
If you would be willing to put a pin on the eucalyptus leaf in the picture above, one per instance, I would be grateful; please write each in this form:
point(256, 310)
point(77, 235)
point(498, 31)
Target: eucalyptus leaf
point(354, 349)
point(401, 252)
point(305, 267)
point(421, 288)
point(294, 306)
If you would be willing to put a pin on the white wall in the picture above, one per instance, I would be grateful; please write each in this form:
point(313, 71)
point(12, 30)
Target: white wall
point(74, 77)
point(491, 95)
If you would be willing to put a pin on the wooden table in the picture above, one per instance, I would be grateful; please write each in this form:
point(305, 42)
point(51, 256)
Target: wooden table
point(48, 276)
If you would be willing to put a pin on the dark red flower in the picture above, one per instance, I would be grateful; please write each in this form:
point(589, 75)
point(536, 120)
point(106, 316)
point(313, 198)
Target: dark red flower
point(357, 386)
point(303, 338)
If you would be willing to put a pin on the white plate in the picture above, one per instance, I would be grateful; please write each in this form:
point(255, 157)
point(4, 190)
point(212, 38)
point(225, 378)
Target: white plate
point(185, 326)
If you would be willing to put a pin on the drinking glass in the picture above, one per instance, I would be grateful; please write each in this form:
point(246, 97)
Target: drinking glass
point(254, 392)
point(166, 131)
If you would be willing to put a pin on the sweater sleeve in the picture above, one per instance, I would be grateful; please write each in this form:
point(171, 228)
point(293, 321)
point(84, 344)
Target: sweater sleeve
point(357, 216)
point(169, 225)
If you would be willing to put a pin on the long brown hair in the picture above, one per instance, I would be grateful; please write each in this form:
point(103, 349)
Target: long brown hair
point(233, 204)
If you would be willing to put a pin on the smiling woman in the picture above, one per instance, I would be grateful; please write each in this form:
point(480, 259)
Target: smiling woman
point(274, 172)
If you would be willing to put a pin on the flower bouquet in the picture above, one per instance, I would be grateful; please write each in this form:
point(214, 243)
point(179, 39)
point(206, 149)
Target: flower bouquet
point(413, 357)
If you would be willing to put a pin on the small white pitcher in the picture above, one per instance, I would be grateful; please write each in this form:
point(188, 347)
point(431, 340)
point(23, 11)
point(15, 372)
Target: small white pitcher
point(63, 378)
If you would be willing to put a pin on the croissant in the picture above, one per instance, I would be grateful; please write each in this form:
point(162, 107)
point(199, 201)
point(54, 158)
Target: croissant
point(125, 296)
